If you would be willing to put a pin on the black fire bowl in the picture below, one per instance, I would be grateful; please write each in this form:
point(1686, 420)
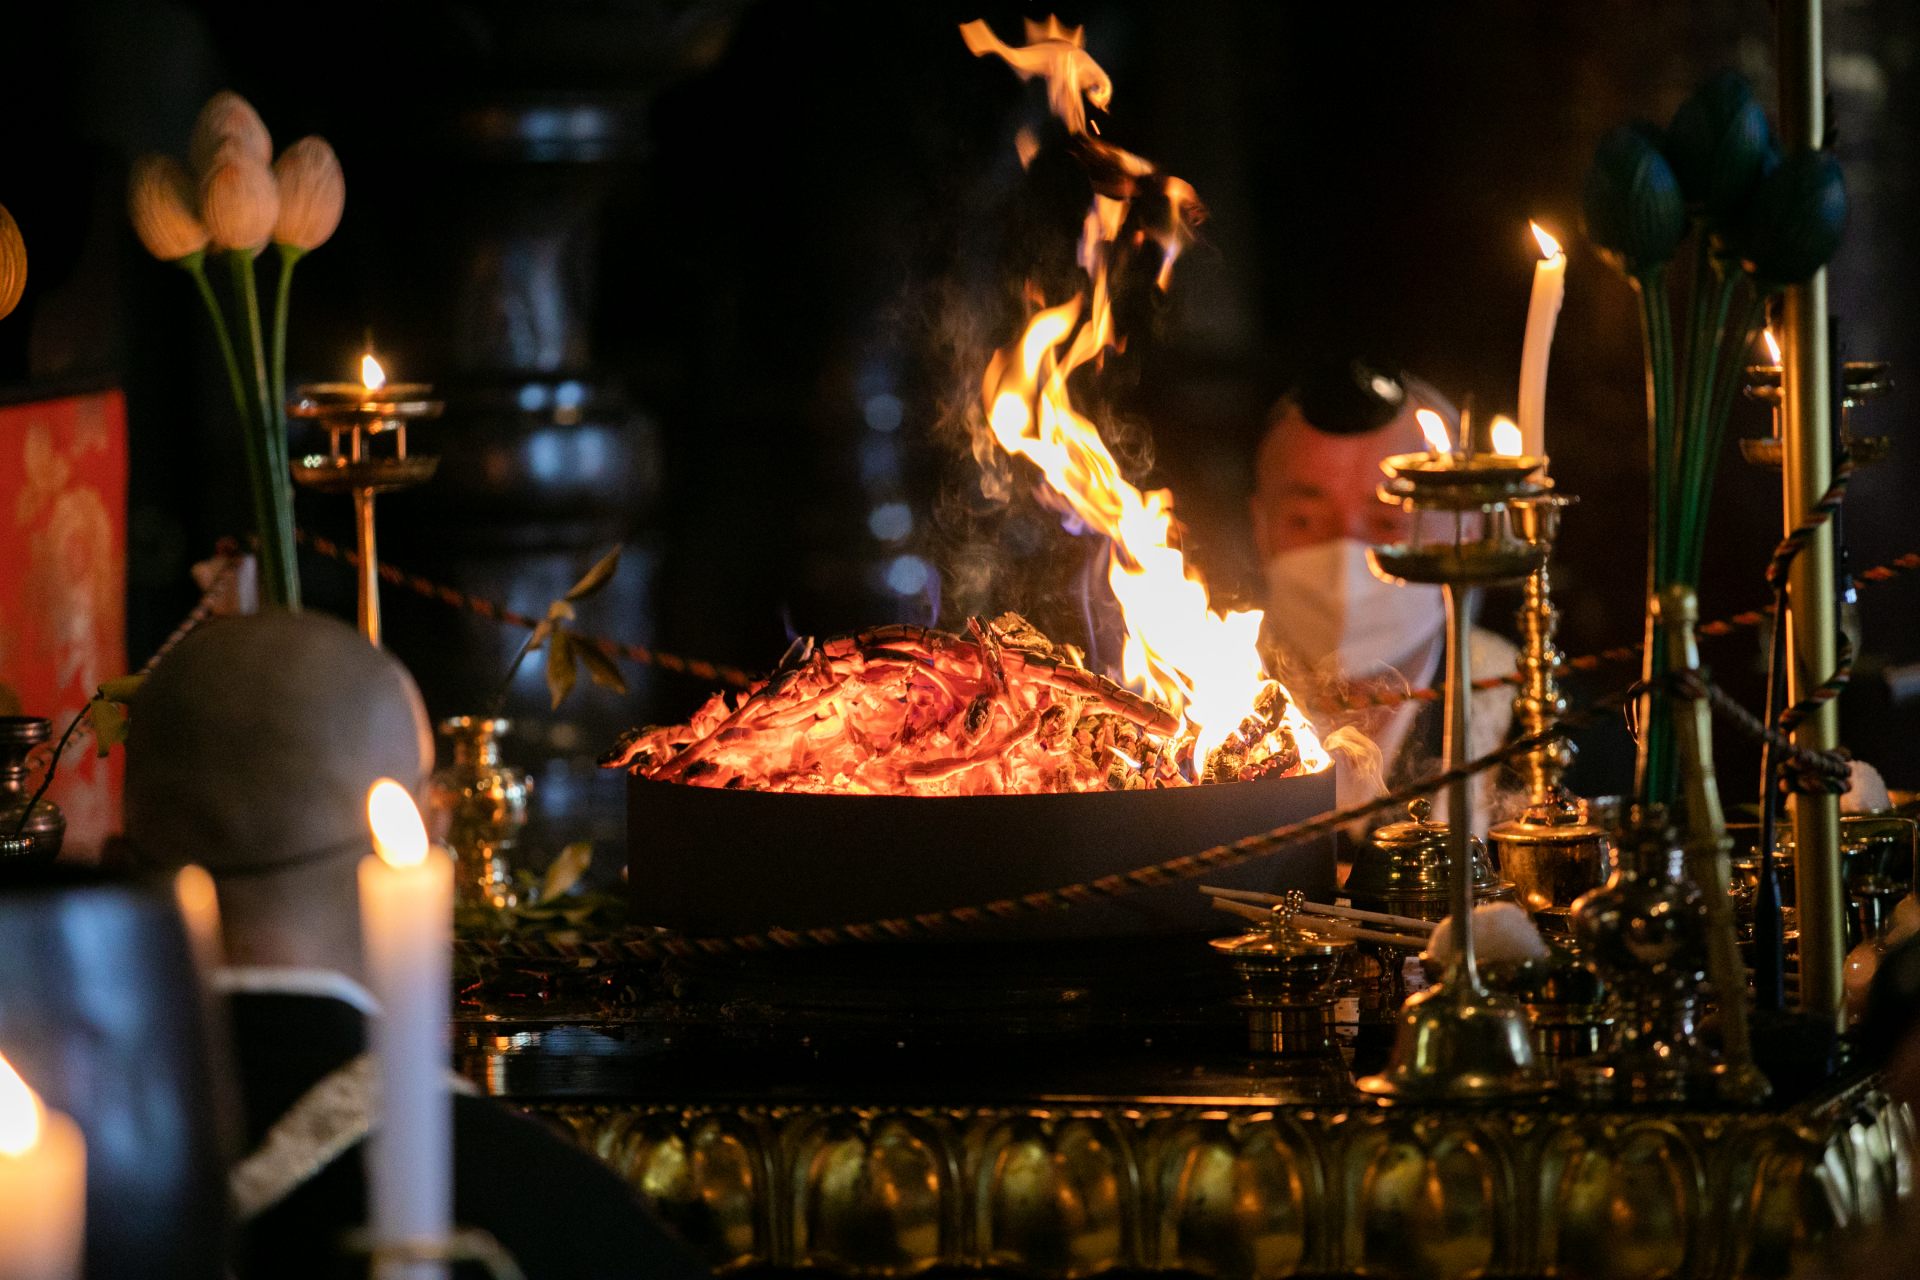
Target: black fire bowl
point(712, 862)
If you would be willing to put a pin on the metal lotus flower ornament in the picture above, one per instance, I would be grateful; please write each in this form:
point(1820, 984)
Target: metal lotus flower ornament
point(165, 209)
point(233, 202)
point(1635, 213)
point(1796, 219)
point(1719, 145)
point(1758, 223)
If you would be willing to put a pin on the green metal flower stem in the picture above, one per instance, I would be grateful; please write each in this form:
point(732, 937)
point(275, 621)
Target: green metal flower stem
point(280, 583)
point(257, 467)
point(1726, 385)
point(194, 264)
point(289, 256)
point(1655, 775)
point(1694, 440)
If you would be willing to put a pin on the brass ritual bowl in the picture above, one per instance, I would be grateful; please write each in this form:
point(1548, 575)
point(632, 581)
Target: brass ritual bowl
point(1551, 857)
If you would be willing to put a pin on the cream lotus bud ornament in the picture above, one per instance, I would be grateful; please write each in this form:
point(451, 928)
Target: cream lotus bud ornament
point(160, 200)
point(312, 193)
point(13, 263)
point(228, 118)
point(239, 201)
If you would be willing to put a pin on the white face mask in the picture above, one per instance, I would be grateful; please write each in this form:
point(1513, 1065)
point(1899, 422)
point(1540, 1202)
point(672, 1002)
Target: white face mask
point(1328, 612)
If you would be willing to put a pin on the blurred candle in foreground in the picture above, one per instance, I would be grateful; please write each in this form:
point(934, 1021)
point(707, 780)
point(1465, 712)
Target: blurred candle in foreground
point(199, 902)
point(406, 914)
point(1543, 313)
point(43, 1185)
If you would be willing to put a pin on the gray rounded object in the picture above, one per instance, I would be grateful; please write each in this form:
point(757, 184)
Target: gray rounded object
point(253, 743)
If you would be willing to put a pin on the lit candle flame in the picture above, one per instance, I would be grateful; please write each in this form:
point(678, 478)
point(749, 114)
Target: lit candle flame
point(1434, 428)
point(1549, 247)
point(20, 1112)
point(399, 836)
point(1773, 345)
point(1506, 437)
point(372, 376)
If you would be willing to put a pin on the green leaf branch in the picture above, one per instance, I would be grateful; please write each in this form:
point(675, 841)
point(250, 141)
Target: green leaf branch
point(106, 712)
point(567, 650)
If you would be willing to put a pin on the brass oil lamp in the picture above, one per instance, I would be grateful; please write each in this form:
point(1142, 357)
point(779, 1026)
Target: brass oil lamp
point(1457, 1039)
point(1862, 380)
point(366, 426)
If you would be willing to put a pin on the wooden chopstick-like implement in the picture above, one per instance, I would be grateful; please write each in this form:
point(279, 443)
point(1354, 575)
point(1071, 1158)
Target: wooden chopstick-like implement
point(1324, 926)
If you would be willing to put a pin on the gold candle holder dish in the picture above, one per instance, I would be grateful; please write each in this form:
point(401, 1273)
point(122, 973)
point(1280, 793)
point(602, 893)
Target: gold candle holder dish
point(357, 419)
point(1865, 380)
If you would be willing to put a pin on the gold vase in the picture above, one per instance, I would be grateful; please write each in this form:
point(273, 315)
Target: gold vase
point(481, 806)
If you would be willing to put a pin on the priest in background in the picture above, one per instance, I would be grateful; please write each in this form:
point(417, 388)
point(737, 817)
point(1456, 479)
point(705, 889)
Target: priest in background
point(251, 752)
point(1338, 634)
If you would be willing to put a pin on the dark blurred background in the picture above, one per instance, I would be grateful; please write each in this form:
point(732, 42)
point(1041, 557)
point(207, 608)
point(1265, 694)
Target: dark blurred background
point(714, 280)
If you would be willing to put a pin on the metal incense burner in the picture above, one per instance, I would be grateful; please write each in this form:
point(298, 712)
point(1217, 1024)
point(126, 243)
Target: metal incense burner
point(1404, 869)
point(357, 418)
point(1288, 980)
point(1457, 1040)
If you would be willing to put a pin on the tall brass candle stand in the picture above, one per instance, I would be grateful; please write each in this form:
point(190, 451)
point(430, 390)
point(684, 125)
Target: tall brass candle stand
point(1549, 853)
point(356, 418)
point(1806, 407)
point(1457, 1040)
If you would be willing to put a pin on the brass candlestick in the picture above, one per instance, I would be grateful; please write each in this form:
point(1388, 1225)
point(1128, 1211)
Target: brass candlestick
point(1457, 1040)
point(1549, 853)
point(1539, 704)
point(1864, 380)
point(356, 417)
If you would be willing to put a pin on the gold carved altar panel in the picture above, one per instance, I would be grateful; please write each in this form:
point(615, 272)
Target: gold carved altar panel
point(1074, 1189)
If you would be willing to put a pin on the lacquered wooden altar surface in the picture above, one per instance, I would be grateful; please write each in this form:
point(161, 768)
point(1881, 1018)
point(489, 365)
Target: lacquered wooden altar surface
point(1098, 1113)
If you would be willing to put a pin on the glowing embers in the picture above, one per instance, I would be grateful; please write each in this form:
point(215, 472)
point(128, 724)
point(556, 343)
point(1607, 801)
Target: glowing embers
point(903, 710)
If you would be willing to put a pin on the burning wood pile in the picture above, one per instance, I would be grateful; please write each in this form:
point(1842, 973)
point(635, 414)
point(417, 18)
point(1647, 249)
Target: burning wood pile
point(905, 710)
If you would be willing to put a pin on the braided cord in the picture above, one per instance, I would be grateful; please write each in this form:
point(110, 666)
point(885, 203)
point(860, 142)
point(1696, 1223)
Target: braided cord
point(453, 597)
point(1803, 779)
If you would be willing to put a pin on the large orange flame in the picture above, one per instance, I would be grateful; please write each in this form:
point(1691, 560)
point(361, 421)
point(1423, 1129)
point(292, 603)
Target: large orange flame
point(1202, 664)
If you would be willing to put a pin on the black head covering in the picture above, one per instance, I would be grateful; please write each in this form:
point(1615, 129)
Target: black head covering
point(1348, 395)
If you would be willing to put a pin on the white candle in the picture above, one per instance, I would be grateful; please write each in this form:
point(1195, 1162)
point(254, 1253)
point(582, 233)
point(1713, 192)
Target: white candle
point(43, 1186)
point(199, 902)
point(1543, 313)
point(406, 914)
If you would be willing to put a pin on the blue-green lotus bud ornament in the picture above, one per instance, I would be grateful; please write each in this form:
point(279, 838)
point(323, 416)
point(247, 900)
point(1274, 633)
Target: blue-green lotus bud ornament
point(1635, 212)
point(1796, 219)
point(1719, 145)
